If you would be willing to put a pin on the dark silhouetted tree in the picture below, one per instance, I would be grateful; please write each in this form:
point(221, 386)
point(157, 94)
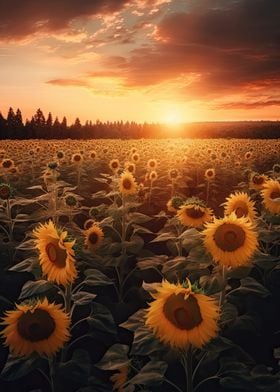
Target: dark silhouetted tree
point(19, 127)
point(3, 123)
point(11, 124)
point(49, 122)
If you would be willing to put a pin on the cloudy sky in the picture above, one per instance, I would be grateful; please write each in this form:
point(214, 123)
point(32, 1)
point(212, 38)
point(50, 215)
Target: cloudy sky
point(141, 60)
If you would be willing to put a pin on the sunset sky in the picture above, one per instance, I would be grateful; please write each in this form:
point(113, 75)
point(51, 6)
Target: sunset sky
point(141, 60)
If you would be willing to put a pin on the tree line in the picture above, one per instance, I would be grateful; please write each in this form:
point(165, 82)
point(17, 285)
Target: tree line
point(45, 127)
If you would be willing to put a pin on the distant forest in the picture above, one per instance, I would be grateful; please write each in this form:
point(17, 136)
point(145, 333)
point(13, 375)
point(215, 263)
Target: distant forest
point(41, 127)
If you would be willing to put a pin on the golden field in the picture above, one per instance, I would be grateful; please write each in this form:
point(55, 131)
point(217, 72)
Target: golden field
point(140, 265)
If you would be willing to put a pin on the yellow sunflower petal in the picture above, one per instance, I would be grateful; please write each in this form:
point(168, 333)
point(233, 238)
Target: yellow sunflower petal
point(231, 241)
point(41, 327)
point(179, 317)
point(56, 256)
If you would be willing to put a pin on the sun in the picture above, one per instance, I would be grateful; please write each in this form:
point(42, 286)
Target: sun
point(172, 118)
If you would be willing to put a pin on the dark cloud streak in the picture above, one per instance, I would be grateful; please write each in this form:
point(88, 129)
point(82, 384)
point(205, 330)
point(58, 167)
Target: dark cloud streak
point(19, 19)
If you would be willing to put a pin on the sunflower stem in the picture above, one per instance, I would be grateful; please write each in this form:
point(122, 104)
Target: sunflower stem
point(204, 381)
point(10, 220)
point(172, 384)
point(186, 361)
point(207, 191)
point(115, 189)
point(180, 230)
point(123, 236)
point(150, 192)
point(204, 355)
point(67, 307)
point(78, 176)
point(119, 284)
point(51, 372)
point(68, 295)
point(172, 188)
point(189, 369)
point(224, 285)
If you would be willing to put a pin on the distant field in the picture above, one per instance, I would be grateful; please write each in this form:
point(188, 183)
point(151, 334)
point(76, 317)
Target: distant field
point(121, 225)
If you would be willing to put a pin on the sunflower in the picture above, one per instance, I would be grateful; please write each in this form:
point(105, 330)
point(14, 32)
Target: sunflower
point(92, 154)
point(133, 150)
point(257, 181)
point(120, 378)
point(6, 191)
point(153, 176)
point(209, 174)
point(173, 174)
point(7, 163)
point(276, 168)
point(194, 213)
point(135, 157)
point(152, 164)
point(178, 316)
point(241, 204)
point(114, 165)
point(77, 158)
point(13, 170)
point(248, 155)
point(231, 241)
point(50, 177)
point(56, 255)
point(52, 165)
point(129, 166)
point(127, 184)
point(40, 327)
point(271, 196)
point(70, 200)
point(60, 155)
point(174, 204)
point(93, 237)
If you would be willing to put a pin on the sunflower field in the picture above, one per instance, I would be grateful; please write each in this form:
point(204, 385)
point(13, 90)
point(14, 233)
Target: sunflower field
point(140, 265)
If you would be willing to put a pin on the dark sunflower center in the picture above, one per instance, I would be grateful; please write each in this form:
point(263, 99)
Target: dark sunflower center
point(4, 192)
point(7, 164)
point(210, 173)
point(258, 180)
point(56, 255)
point(275, 194)
point(152, 164)
point(71, 201)
point(183, 313)
point(241, 209)
point(93, 238)
point(36, 326)
point(77, 158)
point(127, 183)
point(229, 237)
point(194, 213)
point(114, 165)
